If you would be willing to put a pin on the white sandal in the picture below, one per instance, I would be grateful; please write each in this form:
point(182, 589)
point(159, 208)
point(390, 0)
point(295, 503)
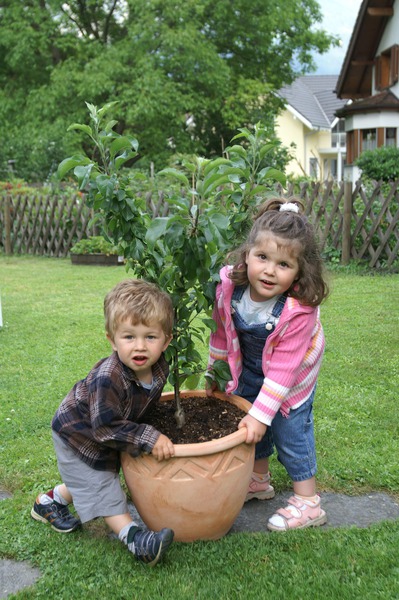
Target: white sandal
point(298, 514)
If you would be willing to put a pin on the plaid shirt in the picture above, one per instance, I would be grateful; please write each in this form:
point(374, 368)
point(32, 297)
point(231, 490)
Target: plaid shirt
point(102, 415)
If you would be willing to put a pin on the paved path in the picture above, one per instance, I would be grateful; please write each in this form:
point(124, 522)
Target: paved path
point(15, 575)
point(342, 511)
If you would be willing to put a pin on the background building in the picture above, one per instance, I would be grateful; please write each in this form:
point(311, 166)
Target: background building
point(369, 79)
point(310, 123)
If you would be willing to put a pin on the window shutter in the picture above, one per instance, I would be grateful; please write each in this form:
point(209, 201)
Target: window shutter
point(380, 136)
point(394, 75)
point(378, 71)
point(350, 143)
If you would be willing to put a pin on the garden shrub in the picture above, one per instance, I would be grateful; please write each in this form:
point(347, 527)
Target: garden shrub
point(381, 164)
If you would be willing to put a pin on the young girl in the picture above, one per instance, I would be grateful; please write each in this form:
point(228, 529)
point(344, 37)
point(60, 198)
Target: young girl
point(269, 332)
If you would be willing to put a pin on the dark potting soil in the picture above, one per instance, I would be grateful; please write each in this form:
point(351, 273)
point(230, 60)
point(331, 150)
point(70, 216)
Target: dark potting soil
point(207, 419)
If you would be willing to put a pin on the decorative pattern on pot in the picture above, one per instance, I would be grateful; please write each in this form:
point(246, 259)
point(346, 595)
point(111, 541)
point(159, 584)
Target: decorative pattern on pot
point(199, 492)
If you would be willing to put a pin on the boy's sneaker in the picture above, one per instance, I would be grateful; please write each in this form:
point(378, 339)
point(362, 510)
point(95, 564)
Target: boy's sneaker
point(56, 514)
point(260, 488)
point(149, 546)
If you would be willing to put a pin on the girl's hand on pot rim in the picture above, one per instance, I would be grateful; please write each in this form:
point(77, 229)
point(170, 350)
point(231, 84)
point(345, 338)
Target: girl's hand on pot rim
point(255, 429)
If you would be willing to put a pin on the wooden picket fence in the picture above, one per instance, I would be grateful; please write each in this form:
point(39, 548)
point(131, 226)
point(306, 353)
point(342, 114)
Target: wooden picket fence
point(51, 224)
point(46, 225)
point(352, 223)
point(355, 223)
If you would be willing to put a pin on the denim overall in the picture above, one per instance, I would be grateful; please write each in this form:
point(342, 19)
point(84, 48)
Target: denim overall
point(252, 341)
point(292, 436)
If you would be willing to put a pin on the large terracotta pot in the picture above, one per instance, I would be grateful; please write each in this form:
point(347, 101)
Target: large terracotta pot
point(200, 491)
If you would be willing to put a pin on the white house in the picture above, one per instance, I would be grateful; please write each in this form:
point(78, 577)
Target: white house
point(369, 78)
point(309, 121)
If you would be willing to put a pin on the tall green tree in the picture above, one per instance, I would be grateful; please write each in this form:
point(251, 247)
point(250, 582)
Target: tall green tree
point(186, 74)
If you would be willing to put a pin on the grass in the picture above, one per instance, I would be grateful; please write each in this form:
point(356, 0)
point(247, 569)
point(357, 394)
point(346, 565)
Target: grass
point(53, 333)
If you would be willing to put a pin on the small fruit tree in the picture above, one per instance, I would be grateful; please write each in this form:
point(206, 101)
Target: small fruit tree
point(210, 203)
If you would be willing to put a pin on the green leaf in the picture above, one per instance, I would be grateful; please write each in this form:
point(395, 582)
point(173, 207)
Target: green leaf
point(109, 126)
point(210, 323)
point(271, 173)
point(101, 111)
point(244, 132)
point(213, 182)
point(156, 230)
point(221, 373)
point(215, 164)
point(106, 185)
point(176, 175)
point(92, 108)
point(219, 220)
point(83, 175)
point(86, 128)
point(221, 367)
point(192, 382)
point(236, 149)
point(267, 148)
point(235, 170)
point(70, 163)
point(122, 143)
point(121, 160)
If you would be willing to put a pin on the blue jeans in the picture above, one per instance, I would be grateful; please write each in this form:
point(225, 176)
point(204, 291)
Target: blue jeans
point(292, 436)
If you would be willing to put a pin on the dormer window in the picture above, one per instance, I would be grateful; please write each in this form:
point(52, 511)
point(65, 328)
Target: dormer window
point(369, 139)
point(387, 68)
point(390, 136)
point(338, 135)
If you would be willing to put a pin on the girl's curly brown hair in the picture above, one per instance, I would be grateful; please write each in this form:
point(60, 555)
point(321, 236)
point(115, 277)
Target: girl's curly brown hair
point(294, 229)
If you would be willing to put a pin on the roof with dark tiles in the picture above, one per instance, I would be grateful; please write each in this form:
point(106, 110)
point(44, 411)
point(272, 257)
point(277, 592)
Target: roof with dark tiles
point(384, 101)
point(313, 97)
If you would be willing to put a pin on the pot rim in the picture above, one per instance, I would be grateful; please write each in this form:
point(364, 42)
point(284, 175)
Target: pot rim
point(211, 447)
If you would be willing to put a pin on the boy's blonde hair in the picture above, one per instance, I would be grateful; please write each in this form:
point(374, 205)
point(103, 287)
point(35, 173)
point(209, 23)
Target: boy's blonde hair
point(138, 301)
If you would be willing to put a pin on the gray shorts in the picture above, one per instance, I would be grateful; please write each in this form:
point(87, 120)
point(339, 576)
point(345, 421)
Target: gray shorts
point(95, 493)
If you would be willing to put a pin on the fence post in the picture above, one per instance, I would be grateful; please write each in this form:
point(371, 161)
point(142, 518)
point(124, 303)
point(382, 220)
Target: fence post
point(7, 225)
point(346, 225)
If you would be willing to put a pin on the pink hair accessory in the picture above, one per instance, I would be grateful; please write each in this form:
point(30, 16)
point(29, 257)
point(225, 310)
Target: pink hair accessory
point(290, 206)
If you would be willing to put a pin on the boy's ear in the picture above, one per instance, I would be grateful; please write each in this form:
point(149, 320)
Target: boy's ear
point(168, 339)
point(111, 340)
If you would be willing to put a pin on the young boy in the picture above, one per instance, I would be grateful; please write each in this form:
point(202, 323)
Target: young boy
point(102, 416)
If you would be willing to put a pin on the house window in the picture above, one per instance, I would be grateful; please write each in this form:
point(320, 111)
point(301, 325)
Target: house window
point(369, 139)
point(387, 68)
point(338, 135)
point(313, 168)
point(390, 136)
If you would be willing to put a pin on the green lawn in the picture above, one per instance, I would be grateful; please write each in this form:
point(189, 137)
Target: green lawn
point(53, 333)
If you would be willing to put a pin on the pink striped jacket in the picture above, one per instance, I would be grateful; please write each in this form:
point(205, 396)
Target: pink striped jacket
point(291, 357)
